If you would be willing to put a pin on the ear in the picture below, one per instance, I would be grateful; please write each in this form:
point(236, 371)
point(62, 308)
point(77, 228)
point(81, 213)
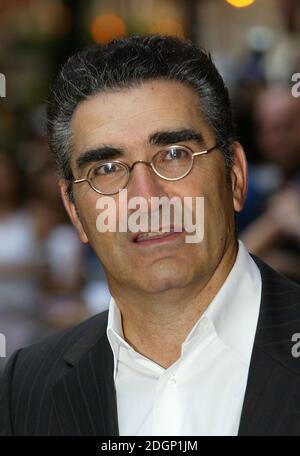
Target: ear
point(72, 212)
point(239, 176)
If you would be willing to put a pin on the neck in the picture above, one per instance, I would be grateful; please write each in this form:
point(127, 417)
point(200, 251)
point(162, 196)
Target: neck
point(152, 321)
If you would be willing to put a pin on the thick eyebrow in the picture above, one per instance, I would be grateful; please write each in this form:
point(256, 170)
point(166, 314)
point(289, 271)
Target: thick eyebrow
point(164, 138)
point(101, 153)
point(159, 138)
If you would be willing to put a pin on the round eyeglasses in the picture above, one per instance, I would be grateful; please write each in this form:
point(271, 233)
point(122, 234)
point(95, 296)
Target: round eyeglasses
point(172, 163)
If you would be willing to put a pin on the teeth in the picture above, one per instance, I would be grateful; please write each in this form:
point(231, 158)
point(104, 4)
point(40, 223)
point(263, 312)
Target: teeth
point(151, 234)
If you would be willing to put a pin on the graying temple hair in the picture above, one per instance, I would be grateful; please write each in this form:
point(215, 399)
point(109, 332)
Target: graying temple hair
point(128, 63)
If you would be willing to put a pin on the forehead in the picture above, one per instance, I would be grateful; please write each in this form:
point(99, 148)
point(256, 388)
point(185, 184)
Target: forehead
point(127, 117)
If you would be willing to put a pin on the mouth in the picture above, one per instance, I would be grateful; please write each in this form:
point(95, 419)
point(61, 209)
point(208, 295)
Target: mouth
point(154, 237)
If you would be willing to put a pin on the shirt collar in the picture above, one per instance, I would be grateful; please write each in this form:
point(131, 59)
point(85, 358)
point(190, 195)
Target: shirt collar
point(235, 308)
point(233, 312)
point(114, 331)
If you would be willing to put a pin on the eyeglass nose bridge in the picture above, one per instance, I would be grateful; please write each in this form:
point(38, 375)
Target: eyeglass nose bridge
point(147, 163)
point(130, 168)
point(140, 161)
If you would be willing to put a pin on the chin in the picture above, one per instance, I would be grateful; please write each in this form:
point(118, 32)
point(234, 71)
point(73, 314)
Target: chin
point(163, 282)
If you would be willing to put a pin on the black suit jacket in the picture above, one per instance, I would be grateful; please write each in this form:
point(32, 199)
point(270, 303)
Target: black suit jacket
point(64, 385)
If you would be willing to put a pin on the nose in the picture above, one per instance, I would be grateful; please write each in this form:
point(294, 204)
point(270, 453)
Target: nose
point(144, 182)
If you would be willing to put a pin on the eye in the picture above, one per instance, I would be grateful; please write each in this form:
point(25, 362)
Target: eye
point(106, 169)
point(176, 154)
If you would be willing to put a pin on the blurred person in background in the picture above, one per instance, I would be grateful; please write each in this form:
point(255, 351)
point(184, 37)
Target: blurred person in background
point(273, 233)
point(41, 258)
point(283, 59)
point(63, 258)
point(18, 258)
point(20, 267)
point(62, 255)
point(60, 248)
point(277, 116)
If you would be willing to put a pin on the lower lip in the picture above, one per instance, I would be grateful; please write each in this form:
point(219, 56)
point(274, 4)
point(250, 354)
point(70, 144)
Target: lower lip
point(159, 240)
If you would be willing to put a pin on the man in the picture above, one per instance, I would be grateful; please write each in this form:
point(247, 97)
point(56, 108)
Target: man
point(198, 336)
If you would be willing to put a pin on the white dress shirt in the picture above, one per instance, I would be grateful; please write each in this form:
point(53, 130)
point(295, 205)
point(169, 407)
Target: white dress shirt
point(201, 393)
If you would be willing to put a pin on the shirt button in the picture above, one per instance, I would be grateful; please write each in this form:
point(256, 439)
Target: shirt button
point(172, 380)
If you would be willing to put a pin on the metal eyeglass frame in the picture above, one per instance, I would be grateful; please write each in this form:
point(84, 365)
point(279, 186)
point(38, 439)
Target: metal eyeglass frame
point(129, 168)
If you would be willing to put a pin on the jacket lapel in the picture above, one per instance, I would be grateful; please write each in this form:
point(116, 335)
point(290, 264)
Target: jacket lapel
point(84, 398)
point(272, 405)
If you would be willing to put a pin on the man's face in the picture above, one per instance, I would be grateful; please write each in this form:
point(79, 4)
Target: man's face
point(125, 120)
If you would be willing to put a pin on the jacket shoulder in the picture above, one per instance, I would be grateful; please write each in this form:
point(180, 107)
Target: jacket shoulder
point(278, 322)
point(274, 281)
point(31, 373)
point(71, 340)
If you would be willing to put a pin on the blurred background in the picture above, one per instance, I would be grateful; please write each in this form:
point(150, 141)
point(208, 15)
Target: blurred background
point(48, 280)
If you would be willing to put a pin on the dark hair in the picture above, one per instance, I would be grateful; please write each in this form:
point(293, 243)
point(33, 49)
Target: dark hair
point(127, 63)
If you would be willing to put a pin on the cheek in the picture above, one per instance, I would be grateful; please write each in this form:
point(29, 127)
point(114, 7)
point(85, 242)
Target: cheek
point(210, 182)
point(218, 201)
point(88, 213)
point(106, 244)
